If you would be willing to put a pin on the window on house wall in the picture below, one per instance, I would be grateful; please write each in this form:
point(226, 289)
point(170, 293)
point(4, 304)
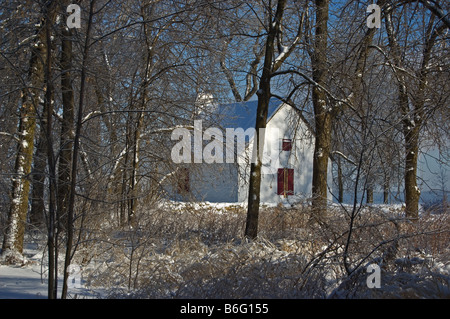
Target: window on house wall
point(285, 182)
point(183, 182)
point(286, 144)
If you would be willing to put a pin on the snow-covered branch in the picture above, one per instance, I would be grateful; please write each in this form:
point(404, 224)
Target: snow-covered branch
point(339, 101)
point(168, 175)
point(285, 51)
point(344, 157)
point(168, 129)
point(10, 135)
point(90, 115)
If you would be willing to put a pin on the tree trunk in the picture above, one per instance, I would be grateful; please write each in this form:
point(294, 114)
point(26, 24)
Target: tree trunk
point(386, 186)
point(76, 147)
point(323, 117)
point(412, 193)
point(369, 193)
point(340, 182)
point(126, 170)
point(52, 237)
point(412, 130)
point(37, 212)
point(17, 215)
point(320, 159)
point(67, 127)
point(412, 117)
point(134, 169)
point(251, 228)
point(323, 113)
point(403, 104)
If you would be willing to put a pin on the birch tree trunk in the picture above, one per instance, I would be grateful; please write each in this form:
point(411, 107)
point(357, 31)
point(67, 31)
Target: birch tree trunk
point(31, 95)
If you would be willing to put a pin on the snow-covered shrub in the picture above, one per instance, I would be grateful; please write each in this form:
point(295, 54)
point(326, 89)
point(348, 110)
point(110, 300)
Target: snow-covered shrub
point(197, 251)
point(406, 282)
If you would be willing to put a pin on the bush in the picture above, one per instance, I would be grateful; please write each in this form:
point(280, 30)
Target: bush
point(197, 251)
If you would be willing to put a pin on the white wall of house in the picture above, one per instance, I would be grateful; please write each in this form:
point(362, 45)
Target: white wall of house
point(284, 124)
point(228, 182)
point(215, 182)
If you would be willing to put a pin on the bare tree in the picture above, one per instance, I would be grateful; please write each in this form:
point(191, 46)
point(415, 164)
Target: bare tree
point(76, 150)
point(67, 122)
point(264, 95)
point(412, 105)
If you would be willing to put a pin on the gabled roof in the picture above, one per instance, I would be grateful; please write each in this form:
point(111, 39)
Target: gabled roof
point(243, 114)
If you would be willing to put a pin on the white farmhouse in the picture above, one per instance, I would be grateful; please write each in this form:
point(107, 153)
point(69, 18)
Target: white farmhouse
point(221, 174)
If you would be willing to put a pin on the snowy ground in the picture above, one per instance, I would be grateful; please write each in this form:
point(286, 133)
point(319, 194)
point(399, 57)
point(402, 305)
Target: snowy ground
point(21, 283)
point(26, 282)
point(30, 280)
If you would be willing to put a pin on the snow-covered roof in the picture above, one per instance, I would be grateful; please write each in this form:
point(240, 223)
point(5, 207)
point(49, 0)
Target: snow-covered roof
point(243, 114)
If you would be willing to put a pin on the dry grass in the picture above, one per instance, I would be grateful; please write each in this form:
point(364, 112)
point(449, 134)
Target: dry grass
point(197, 251)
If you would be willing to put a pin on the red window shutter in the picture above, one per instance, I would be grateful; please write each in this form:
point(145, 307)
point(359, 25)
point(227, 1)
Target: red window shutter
point(280, 181)
point(285, 181)
point(287, 144)
point(290, 183)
